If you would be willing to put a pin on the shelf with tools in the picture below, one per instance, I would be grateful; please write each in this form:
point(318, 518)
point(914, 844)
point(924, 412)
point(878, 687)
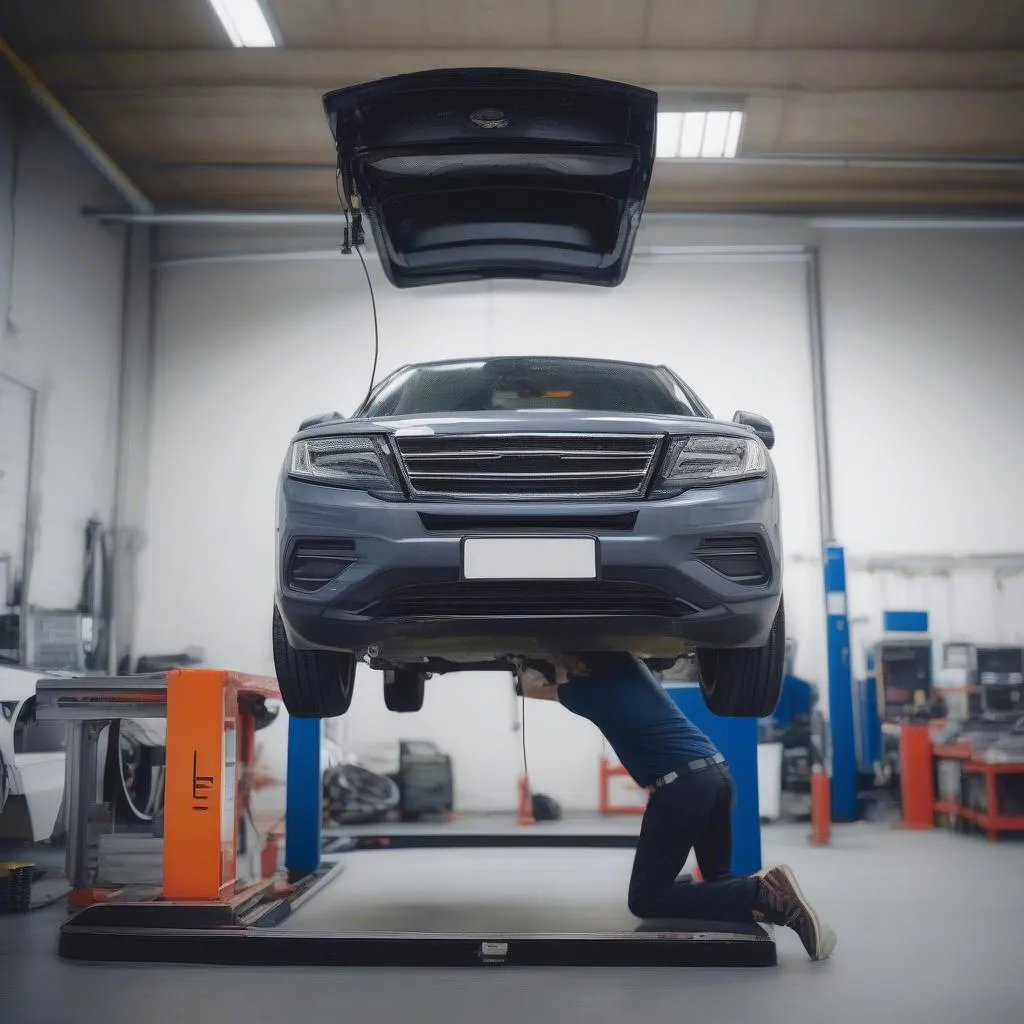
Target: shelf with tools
point(987, 794)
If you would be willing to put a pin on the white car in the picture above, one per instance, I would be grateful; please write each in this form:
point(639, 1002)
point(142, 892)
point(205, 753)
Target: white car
point(33, 755)
point(32, 758)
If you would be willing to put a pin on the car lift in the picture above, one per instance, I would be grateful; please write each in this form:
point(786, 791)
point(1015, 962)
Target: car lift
point(215, 899)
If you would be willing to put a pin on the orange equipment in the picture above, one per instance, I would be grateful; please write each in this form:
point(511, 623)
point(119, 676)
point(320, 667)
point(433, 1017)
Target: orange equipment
point(605, 773)
point(525, 815)
point(210, 749)
point(209, 737)
point(917, 784)
point(821, 806)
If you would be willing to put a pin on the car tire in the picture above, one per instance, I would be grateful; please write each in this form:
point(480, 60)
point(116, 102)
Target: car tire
point(314, 684)
point(403, 690)
point(745, 682)
point(131, 778)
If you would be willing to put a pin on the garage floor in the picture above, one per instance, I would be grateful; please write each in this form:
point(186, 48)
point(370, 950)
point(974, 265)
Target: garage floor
point(928, 924)
point(489, 890)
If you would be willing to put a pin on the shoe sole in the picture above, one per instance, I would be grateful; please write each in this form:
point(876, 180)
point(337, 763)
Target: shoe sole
point(825, 936)
point(828, 940)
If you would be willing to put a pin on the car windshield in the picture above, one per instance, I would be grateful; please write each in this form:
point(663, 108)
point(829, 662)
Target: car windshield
point(518, 384)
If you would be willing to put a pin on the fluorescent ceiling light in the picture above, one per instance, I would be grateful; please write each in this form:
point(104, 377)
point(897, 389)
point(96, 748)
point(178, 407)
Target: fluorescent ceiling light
point(698, 134)
point(670, 125)
point(245, 22)
point(693, 134)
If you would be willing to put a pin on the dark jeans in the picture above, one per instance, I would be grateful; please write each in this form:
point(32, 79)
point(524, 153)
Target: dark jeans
point(694, 812)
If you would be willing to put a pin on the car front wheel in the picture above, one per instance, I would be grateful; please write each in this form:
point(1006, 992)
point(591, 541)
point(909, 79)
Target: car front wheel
point(314, 684)
point(403, 689)
point(745, 682)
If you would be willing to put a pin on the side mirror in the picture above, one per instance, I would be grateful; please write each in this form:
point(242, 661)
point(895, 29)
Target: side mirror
point(323, 417)
point(758, 424)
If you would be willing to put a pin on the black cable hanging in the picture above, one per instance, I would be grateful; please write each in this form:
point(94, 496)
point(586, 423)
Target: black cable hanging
point(353, 240)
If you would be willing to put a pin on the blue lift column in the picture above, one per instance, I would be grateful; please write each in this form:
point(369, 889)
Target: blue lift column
point(840, 689)
point(304, 801)
point(736, 738)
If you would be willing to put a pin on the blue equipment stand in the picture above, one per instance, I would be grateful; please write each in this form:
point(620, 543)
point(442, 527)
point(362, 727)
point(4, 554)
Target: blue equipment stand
point(304, 801)
point(840, 689)
point(869, 749)
point(736, 738)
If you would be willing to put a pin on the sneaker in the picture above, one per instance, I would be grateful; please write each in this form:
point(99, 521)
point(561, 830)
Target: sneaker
point(781, 901)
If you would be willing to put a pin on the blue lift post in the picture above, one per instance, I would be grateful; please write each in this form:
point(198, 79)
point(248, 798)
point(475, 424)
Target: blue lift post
point(870, 751)
point(840, 688)
point(304, 800)
point(736, 738)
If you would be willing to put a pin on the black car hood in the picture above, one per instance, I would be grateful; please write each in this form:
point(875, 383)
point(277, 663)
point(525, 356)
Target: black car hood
point(495, 172)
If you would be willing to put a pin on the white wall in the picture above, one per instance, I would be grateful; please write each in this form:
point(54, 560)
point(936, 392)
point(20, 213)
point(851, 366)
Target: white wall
point(61, 335)
point(926, 376)
point(925, 333)
point(245, 350)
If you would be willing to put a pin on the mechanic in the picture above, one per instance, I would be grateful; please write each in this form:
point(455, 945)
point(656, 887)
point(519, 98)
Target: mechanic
point(691, 798)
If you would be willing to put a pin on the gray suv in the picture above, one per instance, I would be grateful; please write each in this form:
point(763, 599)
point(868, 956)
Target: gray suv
point(474, 511)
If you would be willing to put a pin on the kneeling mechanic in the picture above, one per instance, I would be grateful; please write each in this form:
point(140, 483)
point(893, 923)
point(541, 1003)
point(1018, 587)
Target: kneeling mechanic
point(691, 798)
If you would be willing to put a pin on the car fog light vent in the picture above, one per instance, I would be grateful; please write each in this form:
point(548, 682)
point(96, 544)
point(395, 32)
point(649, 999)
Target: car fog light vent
point(313, 565)
point(740, 559)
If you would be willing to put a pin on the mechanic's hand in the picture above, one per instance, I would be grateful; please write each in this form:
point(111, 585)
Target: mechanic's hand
point(533, 680)
point(569, 666)
point(553, 670)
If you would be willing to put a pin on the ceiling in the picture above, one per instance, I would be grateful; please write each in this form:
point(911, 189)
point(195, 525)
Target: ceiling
point(878, 105)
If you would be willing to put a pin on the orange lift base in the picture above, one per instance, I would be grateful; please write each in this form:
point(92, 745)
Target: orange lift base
point(255, 932)
point(211, 729)
point(210, 749)
point(208, 910)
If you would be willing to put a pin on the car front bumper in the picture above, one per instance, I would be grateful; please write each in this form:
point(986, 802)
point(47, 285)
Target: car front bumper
point(403, 597)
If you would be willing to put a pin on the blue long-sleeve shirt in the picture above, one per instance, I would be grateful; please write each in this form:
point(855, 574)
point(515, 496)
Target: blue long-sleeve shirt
point(641, 722)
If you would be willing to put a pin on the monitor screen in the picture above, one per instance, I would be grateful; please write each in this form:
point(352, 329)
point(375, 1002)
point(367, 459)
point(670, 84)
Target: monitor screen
point(1001, 666)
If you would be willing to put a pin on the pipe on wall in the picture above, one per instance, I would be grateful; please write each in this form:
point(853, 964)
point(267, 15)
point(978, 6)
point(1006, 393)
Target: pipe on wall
point(219, 218)
point(661, 254)
point(830, 161)
point(818, 392)
point(299, 218)
point(133, 428)
point(928, 565)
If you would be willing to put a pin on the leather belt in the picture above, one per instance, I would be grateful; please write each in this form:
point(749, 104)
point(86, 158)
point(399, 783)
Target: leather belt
point(696, 765)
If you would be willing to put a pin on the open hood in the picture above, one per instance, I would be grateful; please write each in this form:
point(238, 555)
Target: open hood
point(495, 172)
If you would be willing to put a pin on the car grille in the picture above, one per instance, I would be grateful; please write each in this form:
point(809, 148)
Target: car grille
point(740, 559)
point(501, 467)
point(616, 522)
point(529, 599)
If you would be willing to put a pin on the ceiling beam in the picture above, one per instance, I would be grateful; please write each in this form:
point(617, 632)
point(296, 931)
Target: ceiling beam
point(87, 145)
point(662, 69)
point(993, 165)
point(299, 218)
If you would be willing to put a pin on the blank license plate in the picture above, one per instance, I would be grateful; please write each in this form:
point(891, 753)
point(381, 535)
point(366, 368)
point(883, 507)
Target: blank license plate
point(529, 558)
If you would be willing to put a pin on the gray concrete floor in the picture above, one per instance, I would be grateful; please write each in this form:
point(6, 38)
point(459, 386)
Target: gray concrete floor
point(514, 891)
point(574, 824)
point(927, 927)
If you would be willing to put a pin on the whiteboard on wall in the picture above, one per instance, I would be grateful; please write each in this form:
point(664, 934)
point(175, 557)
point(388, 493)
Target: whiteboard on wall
point(16, 408)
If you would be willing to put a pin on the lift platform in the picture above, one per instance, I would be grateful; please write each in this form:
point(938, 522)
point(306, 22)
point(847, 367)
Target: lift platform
point(390, 896)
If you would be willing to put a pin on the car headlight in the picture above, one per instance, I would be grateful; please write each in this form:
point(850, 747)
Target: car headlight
point(362, 463)
point(710, 459)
